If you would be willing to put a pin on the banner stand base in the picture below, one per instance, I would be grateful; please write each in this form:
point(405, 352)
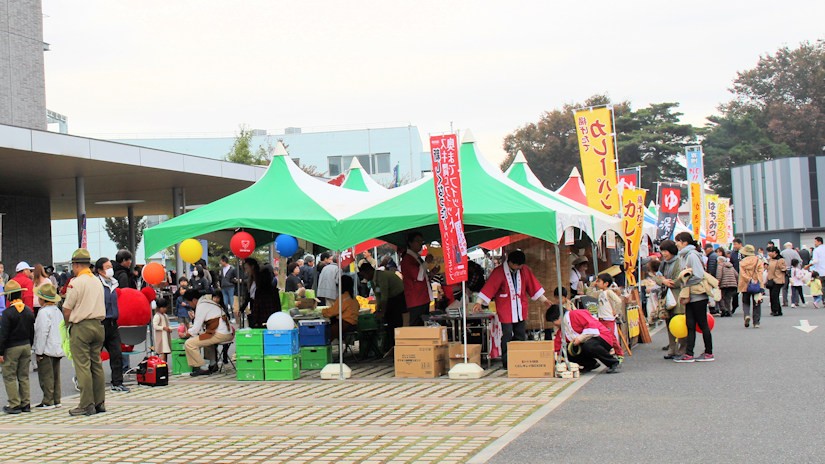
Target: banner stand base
point(464, 371)
point(332, 371)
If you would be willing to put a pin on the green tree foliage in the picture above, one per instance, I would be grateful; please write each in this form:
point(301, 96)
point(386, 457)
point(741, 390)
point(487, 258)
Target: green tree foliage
point(651, 137)
point(777, 111)
point(242, 152)
point(118, 230)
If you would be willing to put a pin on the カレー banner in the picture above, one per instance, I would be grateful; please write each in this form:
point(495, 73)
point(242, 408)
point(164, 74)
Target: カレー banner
point(594, 129)
point(447, 177)
point(633, 215)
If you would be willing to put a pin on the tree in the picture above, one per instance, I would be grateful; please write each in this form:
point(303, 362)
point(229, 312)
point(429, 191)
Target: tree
point(242, 153)
point(650, 137)
point(653, 138)
point(118, 230)
point(777, 111)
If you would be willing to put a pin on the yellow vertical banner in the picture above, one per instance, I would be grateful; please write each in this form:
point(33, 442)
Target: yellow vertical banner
point(722, 236)
point(594, 129)
point(712, 218)
point(633, 216)
point(696, 209)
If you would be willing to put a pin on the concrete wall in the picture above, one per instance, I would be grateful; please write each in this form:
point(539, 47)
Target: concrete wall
point(27, 233)
point(22, 75)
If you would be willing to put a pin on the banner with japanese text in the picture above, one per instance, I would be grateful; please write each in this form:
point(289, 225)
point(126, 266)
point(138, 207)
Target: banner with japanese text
point(696, 180)
point(722, 236)
point(633, 216)
point(594, 129)
point(447, 180)
point(712, 217)
point(670, 197)
point(630, 176)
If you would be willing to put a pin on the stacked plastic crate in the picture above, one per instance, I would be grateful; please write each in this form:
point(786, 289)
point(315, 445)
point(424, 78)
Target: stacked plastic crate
point(314, 339)
point(249, 354)
point(282, 355)
point(178, 357)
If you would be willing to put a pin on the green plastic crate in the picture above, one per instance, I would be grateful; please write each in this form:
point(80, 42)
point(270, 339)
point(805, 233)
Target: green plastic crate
point(178, 362)
point(249, 350)
point(177, 344)
point(249, 337)
point(286, 367)
point(367, 322)
point(249, 363)
point(250, 375)
point(315, 357)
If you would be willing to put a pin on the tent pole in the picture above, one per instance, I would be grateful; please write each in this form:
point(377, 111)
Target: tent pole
point(464, 316)
point(340, 323)
point(595, 259)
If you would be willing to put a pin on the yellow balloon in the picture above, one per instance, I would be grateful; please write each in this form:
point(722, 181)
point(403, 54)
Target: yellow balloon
point(678, 326)
point(191, 250)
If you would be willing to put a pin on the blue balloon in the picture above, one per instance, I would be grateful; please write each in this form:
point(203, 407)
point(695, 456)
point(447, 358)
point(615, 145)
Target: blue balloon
point(286, 245)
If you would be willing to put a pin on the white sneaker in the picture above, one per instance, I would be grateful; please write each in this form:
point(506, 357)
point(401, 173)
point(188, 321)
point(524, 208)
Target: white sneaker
point(793, 305)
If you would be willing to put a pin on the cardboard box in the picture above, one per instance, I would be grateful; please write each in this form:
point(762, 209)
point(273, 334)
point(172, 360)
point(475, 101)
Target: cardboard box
point(423, 362)
point(530, 359)
point(421, 336)
point(456, 354)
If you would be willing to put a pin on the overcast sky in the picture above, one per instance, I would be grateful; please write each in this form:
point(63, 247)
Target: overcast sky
point(165, 67)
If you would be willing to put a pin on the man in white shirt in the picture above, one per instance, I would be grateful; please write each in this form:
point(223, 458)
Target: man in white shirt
point(818, 259)
point(212, 321)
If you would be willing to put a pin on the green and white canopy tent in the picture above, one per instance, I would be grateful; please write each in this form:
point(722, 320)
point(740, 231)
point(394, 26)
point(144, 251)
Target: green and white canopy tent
point(359, 180)
point(520, 173)
point(493, 206)
point(285, 200)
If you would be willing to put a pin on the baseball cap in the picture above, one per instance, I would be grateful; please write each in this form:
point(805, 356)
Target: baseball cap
point(22, 265)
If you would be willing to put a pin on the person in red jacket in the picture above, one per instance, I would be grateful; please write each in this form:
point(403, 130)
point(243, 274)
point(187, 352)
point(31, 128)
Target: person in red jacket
point(417, 290)
point(588, 340)
point(512, 285)
point(24, 278)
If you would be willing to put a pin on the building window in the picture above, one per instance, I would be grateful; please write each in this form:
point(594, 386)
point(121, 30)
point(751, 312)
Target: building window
point(378, 163)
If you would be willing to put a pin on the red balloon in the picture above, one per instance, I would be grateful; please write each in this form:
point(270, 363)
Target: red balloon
point(133, 307)
point(711, 323)
point(153, 273)
point(242, 244)
point(104, 355)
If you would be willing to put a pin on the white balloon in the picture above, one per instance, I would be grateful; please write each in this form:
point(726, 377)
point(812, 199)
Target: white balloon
point(280, 321)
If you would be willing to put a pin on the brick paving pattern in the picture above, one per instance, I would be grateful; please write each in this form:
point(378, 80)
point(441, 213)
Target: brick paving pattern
point(371, 418)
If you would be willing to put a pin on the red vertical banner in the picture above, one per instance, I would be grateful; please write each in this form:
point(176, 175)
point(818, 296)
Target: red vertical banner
point(447, 180)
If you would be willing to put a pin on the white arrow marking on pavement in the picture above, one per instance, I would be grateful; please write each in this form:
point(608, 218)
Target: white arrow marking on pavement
point(805, 326)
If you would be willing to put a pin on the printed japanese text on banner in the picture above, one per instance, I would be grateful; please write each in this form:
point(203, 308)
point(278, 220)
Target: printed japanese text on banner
point(446, 174)
point(696, 209)
point(722, 236)
point(594, 129)
point(630, 176)
point(633, 215)
point(712, 216)
point(669, 200)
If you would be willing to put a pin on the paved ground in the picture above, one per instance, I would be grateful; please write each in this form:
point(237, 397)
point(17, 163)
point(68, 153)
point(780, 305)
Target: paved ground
point(761, 401)
point(371, 418)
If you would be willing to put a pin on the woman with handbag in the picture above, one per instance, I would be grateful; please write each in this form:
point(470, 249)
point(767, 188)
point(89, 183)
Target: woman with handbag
point(667, 278)
point(694, 295)
point(777, 271)
point(751, 285)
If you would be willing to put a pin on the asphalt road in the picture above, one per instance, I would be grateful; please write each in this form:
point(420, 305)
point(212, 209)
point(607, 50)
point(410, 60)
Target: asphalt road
point(760, 401)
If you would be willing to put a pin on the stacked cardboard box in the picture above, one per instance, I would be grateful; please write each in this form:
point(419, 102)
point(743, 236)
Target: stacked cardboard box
point(456, 354)
point(420, 352)
point(534, 359)
point(314, 338)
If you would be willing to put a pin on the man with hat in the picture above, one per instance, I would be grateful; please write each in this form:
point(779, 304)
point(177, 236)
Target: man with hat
point(578, 275)
point(83, 311)
point(16, 336)
point(48, 345)
point(24, 278)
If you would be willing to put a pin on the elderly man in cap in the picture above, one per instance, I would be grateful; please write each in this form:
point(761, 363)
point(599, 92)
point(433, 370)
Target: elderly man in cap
point(24, 278)
point(83, 311)
point(16, 337)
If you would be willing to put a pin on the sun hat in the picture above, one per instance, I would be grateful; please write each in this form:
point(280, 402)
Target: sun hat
point(748, 250)
point(579, 260)
point(81, 256)
point(12, 286)
point(47, 292)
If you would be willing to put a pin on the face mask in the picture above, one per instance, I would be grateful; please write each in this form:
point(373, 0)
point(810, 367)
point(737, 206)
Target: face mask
point(195, 273)
point(109, 272)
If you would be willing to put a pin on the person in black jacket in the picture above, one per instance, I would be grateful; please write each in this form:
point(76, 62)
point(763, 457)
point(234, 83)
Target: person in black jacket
point(261, 297)
point(16, 338)
point(123, 270)
point(228, 278)
point(111, 341)
point(709, 253)
point(308, 274)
